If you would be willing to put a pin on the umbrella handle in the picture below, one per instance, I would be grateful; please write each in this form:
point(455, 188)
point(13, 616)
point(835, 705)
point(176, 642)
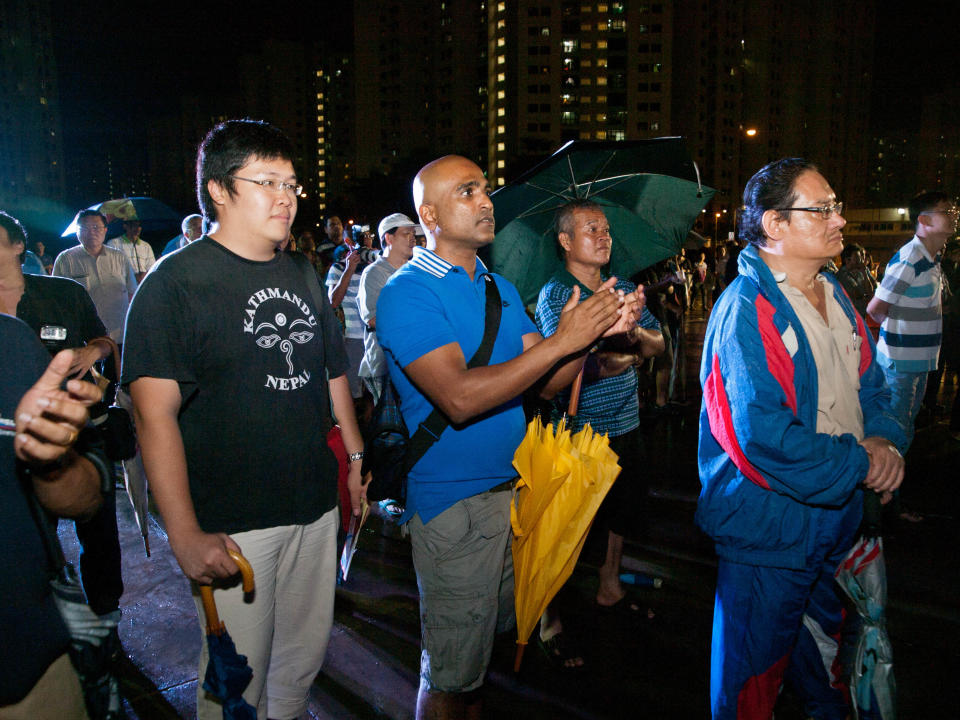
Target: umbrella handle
point(575, 390)
point(214, 626)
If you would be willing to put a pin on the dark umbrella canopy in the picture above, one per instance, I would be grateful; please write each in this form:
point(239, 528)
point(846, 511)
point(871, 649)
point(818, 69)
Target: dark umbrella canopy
point(649, 191)
point(151, 213)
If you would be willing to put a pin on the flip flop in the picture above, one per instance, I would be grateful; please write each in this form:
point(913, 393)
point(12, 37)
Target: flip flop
point(558, 650)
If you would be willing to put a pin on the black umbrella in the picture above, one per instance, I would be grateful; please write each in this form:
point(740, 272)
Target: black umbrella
point(227, 673)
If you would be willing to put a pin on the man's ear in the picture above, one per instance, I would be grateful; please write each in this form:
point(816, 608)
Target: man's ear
point(217, 192)
point(428, 216)
point(565, 241)
point(772, 223)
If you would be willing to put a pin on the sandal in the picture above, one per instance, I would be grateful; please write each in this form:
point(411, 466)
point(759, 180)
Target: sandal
point(560, 652)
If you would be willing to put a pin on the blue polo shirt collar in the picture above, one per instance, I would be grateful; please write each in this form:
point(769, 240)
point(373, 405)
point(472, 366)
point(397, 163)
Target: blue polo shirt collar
point(433, 264)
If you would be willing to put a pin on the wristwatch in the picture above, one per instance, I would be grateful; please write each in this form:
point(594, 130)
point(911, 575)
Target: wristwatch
point(353, 457)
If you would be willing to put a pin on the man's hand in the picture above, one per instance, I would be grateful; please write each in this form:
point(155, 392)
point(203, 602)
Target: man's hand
point(631, 310)
point(49, 419)
point(582, 323)
point(84, 358)
point(203, 556)
point(886, 465)
point(357, 485)
point(351, 261)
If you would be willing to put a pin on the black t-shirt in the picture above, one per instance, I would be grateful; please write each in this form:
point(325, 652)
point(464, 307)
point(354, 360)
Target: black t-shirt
point(33, 634)
point(250, 352)
point(60, 312)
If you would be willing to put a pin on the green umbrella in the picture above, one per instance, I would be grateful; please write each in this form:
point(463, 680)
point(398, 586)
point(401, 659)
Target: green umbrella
point(650, 192)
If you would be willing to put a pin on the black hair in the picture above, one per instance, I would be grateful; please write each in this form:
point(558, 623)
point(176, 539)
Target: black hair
point(925, 201)
point(770, 188)
point(228, 147)
point(15, 230)
point(849, 251)
point(91, 213)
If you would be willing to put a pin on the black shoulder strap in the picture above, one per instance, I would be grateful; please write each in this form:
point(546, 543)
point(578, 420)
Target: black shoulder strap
point(430, 429)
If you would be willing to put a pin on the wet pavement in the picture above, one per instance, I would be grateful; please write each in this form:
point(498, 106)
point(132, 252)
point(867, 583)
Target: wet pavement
point(650, 663)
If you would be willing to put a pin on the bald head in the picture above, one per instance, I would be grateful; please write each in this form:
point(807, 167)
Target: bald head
point(452, 197)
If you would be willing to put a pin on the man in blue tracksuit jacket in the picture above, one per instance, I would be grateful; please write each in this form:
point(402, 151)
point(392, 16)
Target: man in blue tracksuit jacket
point(795, 426)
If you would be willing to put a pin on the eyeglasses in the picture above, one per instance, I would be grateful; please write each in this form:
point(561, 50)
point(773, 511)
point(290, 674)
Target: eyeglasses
point(953, 212)
point(272, 185)
point(825, 211)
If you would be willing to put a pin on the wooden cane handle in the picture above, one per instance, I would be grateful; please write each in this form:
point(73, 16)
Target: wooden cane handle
point(214, 626)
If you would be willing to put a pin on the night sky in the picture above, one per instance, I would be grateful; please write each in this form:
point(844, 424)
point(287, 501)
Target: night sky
point(120, 64)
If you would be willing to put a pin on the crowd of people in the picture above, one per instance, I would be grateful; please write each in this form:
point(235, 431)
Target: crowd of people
point(812, 380)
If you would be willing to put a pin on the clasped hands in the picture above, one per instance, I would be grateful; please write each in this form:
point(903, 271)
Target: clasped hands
point(607, 312)
point(886, 466)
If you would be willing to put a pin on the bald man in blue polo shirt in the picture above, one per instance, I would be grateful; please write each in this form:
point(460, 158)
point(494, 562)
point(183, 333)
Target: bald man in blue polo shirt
point(430, 319)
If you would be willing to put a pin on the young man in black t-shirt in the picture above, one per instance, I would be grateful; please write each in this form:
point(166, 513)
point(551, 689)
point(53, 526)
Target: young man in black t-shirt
point(227, 350)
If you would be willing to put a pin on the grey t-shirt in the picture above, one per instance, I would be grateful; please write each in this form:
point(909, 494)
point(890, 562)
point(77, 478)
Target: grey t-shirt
point(372, 280)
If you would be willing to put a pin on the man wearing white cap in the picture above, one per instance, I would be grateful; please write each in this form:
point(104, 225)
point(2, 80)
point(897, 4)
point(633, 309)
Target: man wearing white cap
point(397, 234)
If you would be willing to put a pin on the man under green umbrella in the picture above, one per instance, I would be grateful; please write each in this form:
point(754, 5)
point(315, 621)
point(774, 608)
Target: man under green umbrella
point(608, 400)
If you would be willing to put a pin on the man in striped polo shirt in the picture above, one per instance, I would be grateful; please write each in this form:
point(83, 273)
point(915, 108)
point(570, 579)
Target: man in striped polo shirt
point(907, 304)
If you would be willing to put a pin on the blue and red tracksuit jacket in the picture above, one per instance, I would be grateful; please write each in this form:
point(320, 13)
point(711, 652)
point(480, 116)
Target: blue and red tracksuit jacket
point(773, 488)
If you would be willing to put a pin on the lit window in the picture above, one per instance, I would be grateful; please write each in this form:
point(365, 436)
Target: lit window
point(588, 63)
point(602, 80)
point(568, 46)
point(585, 81)
point(601, 45)
point(501, 7)
point(501, 164)
point(544, 32)
point(601, 62)
point(501, 129)
point(584, 134)
point(618, 135)
point(501, 59)
point(501, 77)
point(501, 147)
point(601, 135)
point(601, 99)
point(501, 94)
point(501, 112)
point(586, 45)
point(602, 8)
point(501, 181)
point(501, 42)
point(586, 27)
point(501, 24)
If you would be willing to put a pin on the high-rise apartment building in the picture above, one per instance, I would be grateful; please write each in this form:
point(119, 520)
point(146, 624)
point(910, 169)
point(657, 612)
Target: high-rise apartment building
point(563, 70)
point(31, 147)
point(742, 80)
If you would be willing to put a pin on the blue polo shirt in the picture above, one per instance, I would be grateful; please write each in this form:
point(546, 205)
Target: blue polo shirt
point(426, 304)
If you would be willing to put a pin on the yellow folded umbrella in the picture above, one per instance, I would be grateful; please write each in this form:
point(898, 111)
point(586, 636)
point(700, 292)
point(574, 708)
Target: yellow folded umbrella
point(563, 480)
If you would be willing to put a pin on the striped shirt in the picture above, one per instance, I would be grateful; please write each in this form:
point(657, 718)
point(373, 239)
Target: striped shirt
point(609, 404)
point(910, 335)
point(351, 313)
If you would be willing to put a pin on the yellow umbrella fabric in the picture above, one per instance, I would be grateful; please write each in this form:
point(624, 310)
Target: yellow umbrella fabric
point(563, 480)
